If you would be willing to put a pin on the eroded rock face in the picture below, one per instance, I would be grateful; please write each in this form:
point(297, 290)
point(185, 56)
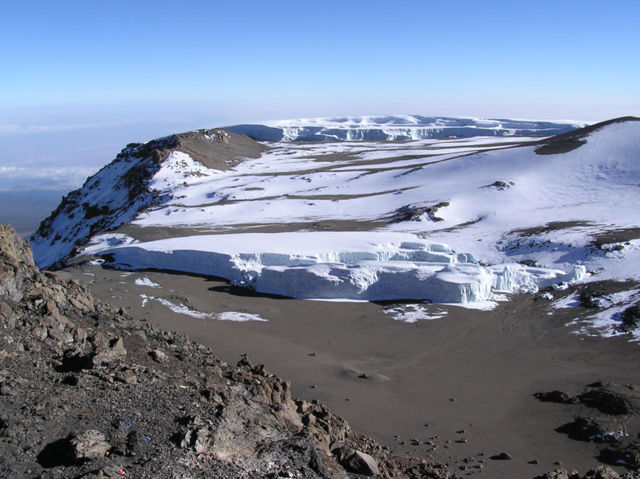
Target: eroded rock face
point(88, 391)
point(14, 258)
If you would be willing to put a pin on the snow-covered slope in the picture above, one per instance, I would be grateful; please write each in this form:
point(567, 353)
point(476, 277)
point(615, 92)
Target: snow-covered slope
point(441, 220)
point(398, 128)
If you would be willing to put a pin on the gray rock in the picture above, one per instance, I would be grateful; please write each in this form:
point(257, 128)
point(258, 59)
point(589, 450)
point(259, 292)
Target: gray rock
point(89, 445)
point(110, 354)
point(356, 461)
point(159, 356)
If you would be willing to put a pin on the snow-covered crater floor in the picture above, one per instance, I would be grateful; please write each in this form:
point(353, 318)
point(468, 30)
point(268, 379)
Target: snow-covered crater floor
point(368, 266)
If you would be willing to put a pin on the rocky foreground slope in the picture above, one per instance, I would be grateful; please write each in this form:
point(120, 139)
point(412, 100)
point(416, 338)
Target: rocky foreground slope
point(87, 391)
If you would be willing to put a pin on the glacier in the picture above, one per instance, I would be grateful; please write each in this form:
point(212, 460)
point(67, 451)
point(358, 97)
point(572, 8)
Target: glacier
point(369, 266)
point(397, 128)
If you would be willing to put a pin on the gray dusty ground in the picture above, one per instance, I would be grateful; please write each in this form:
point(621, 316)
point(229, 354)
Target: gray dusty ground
point(456, 390)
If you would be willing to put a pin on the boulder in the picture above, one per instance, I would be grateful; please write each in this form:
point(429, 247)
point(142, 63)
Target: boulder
point(356, 461)
point(89, 445)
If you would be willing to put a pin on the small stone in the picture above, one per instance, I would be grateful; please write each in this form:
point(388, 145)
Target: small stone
point(555, 396)
point(90, 444)
point(127, 377)
point(7, 390)
point(503, 456)
point(159, 356)
point(79, 335)
point(111, 352)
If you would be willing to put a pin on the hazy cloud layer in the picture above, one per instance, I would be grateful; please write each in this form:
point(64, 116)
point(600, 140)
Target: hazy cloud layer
point(14, 178)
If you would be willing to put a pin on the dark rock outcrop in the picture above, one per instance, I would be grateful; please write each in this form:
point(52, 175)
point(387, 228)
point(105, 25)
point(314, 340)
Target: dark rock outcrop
point(418, 213)
point(560, 397)
point(609, 417)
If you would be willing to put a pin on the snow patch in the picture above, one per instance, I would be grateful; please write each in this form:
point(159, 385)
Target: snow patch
point(146, 282)
point(187, 311)
point(572, 301)
point(238, 316)
point(412, 313)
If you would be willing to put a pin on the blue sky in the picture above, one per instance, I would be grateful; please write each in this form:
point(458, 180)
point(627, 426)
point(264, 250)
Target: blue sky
point(81, 79)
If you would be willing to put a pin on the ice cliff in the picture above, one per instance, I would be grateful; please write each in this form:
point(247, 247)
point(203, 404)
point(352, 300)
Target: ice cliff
point(397, 128)
point(370, 266)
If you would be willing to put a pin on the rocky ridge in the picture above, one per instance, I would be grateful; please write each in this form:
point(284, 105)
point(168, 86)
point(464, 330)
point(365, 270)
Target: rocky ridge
point(121, 189)
point(88, 391)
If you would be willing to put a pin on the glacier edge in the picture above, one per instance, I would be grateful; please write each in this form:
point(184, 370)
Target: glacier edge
point(397, 267)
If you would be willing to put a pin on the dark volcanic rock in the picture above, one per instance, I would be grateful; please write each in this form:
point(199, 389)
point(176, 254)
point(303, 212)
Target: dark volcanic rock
point(418, 213)
point(610, 418)
point(503, 456)
point(607, 401)
point(631, 317)
point(627, 455)
point(555, 396)
point(82, 397)
point(500, 185)
point(585, 429)
point(592, 299)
